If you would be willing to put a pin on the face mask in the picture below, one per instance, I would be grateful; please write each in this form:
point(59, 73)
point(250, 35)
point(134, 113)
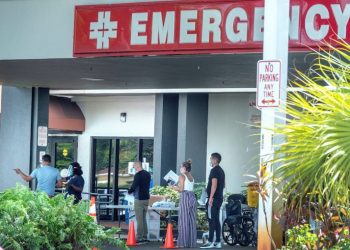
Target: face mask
point(70, 171)
point(182, 170)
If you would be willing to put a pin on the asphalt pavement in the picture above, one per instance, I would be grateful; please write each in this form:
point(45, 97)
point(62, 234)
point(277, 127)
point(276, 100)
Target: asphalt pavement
point(157, 245)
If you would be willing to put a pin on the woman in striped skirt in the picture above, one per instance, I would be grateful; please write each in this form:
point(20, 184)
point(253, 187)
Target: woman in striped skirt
point(187, 222)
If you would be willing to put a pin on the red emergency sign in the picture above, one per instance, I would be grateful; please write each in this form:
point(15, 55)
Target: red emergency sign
point(193, 27)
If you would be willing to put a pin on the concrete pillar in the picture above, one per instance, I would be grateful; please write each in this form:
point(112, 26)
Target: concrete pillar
point(165, 136)
point(276, 31)
point(192, 133)
point(23, 110)
point(15, 134)
point(40, 118)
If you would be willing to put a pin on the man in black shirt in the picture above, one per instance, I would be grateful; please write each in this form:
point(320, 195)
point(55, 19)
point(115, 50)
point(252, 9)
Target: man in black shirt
point(140, 188)
point(215, 191)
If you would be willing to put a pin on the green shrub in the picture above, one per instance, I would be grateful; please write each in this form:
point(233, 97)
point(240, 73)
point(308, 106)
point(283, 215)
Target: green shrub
point(172, 195)
point(344, 240)
point(33, 221)
point(300, 238)
point(343, 244)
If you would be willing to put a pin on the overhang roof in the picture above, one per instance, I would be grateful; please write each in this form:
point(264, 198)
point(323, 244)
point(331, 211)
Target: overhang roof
point(148, 72)
point(65, 115)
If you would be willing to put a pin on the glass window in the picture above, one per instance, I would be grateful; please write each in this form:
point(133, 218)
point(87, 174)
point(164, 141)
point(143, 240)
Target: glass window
point(128, 153)
point(64, 154)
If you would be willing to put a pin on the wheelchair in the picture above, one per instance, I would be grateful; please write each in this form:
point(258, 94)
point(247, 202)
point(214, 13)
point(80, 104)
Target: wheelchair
point(238, 227)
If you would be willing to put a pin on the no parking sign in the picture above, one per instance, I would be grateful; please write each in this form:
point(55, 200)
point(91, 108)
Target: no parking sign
point(268, 83)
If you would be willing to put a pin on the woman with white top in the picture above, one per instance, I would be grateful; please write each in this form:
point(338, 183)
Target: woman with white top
point(187, 222)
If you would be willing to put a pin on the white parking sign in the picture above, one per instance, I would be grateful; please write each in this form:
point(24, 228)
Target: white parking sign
point(268, 84)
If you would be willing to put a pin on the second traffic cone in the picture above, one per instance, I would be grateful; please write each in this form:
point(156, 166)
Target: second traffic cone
point(131, 241)
point(169, 239)
point(92, 208)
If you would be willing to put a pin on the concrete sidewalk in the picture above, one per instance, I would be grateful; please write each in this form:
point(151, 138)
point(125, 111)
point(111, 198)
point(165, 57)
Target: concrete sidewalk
point(157, 245)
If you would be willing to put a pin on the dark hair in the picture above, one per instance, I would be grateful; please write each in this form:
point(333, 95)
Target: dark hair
point(76, 168)
point(217, 156)
point(46, 158)
point(187, 165)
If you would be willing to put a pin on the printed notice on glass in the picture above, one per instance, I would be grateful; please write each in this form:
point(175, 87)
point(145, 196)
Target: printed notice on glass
point(42, 136)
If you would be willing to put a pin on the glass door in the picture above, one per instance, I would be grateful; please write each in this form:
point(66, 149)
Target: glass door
point(63, 150)
point(116, 155)
point(103, 173)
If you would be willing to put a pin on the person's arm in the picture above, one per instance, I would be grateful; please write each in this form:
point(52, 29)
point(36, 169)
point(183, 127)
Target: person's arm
point(58, 180)
point(135, 184)
point(214, 185)
point(25, 177)
point(76, 184)
point(59, 183)
point(181, 184)
point(76, 188)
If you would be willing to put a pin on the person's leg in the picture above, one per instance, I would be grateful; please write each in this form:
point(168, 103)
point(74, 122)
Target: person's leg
point(145, 228)
point(210, 243)
point(211, 223)
point(215, 221)
point(217, 204)
point(138, 207)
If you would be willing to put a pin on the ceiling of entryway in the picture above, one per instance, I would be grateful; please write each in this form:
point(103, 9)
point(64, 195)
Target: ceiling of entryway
point(149, 72)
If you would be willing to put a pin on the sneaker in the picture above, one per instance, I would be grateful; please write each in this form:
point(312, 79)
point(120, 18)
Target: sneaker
point(217, 245)
point(140, 241)
point(208, 245)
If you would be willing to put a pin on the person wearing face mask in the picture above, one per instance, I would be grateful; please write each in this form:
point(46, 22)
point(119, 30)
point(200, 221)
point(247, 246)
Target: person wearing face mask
point(140, 189)
point(215, 191)
point(187, 225)
point(76, 182)
point(48, 177)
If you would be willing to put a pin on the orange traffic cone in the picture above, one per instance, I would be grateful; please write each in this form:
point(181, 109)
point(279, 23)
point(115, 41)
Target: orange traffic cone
point(169, 239)
point(131, 241)
point(92, 208)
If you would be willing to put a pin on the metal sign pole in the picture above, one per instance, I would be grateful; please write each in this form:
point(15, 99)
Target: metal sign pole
point(276, 36)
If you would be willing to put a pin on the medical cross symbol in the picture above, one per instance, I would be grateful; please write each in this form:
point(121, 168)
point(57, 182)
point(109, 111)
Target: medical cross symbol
point(103, 29)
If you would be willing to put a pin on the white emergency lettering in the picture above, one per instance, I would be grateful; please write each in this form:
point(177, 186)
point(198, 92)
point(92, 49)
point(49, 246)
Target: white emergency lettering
point(187, 25)
point(312, 32)
point(258, 24)
point(342, 19)
point(238, 33)
point(211, 24)
point(294, 23)
point(137, 27)
point(163, 33)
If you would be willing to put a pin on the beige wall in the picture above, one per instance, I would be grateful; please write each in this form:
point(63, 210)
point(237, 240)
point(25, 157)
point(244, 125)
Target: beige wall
point(102, 117)
point(229, 135)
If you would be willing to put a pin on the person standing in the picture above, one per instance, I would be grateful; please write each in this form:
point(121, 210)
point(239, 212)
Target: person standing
point(140, 189)
point(47, 177)
point(75, 184)
point(187, 221)
point(215, 191)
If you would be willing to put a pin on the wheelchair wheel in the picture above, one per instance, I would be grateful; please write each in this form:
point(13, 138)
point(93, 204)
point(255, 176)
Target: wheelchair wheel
point(247, 235)
point(228, 233)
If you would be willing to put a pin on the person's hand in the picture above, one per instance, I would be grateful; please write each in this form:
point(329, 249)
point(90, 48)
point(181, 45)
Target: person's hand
point(17, 170)
point(211, 201)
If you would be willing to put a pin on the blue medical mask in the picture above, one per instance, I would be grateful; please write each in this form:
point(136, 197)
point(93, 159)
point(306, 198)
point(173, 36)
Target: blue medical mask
point(70, 171)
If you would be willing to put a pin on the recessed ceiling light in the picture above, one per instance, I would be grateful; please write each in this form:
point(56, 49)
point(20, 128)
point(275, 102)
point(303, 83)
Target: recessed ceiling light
point(92, 79)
